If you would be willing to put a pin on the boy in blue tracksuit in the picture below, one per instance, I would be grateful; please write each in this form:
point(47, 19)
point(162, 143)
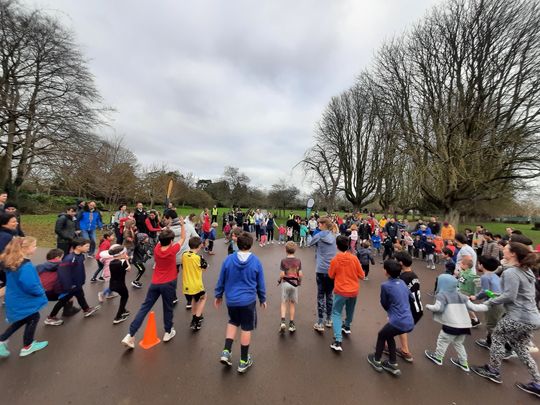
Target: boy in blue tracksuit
point(395, 301)
point(242, 281)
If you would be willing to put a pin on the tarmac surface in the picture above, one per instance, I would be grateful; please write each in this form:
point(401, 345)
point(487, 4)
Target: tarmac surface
point(85, 362)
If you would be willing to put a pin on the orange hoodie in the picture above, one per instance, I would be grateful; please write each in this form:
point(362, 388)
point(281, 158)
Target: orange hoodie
point(345, 269)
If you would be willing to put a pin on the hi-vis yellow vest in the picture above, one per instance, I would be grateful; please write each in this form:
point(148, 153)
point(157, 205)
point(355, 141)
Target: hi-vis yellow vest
point(214, 211)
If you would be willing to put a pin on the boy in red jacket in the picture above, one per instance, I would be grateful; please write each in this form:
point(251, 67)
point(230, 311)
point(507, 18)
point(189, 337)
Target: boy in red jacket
point(346, 270)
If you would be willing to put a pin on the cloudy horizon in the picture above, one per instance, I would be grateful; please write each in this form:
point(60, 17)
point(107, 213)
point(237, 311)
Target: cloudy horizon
point(204, 85)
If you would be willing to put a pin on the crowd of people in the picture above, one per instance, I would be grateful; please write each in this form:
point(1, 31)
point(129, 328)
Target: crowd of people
point(482, 272)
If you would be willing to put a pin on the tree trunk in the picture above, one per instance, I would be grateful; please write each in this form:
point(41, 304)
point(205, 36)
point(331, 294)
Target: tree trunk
point(452, 216)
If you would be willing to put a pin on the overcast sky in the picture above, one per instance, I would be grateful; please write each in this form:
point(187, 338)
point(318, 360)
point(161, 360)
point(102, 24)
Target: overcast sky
point(205, 84)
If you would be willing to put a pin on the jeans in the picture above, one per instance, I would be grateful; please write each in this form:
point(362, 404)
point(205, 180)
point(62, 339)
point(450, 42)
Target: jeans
point(387, 334)
point(168, 294)
point(90, 234)
point(339, 302)
point(325, 289)
point(31, 323)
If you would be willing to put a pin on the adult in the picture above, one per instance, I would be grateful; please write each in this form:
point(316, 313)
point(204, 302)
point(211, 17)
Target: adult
point(89, 222)
point(204, 213)
point(478, 239)
point(521, 319)
point(434, 225)
point(391, 228)
point(214, 213)
point(152, 225)
point(119, 215)
point(325, 241)
point(3, 199)
point(270, 225)
point(81, 204)
point(448, 232)
point(140, 216)
point(259, 219)
point(65, 229)
point(383, 221)
point(10, 208)
point(508, 234)
point(239, 218)
point(372, 221)
point(312, 224)
point(364, 230)
point(464, 250)
point(491, 247)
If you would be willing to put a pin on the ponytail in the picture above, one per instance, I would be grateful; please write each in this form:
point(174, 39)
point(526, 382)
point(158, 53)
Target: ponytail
point(15, 252)
point(525, 256)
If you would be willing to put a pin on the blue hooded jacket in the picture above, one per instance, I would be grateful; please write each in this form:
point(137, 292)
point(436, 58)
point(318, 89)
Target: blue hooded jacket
point(241, 281)
point(395, 298)
point(24, 294)
point(326, 250)
point(86, 225)
point(71, 272)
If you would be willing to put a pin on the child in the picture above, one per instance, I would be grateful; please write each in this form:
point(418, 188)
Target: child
point(281, 231)
point(290, 278)
point(72, 276)
point(388, 245)
point(233, 246)
point(376, 241)
point(417, 246)
point(241, 280)
point(48, 275)
point(469, 283)
point(449, 266)
point(164, 281)
point(118, 267)
point(193, 266)
point(105, 258)
point(227, 231)
point(289, 234)
point(489, 281)
point(263, 234)
point(450, 309)
point(417, 310)
point(429, 250)
point(439, 245)
point(129, 236)
point(104, 244)
point(395, 301)
point(345, 270)
point(354, 237)
point(140, 256)
point(24, 295)
point(365, 258)
point(303, 234)
point(409, 242)
point(212, 238)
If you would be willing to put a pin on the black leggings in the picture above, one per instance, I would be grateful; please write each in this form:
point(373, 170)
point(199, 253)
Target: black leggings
point(270, 232)
point(30, 323)
point(124, 296)
point(78, 294)
point(140, 270)
point(386, 334)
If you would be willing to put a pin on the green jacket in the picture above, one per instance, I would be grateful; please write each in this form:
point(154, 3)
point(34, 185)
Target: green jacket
point(468, 282)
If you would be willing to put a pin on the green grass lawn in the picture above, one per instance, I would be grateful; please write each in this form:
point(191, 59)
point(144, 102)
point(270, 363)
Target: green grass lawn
point(42, 226)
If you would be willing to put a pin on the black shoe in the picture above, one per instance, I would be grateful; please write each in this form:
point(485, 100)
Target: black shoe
point(101, 279)
point(486, 372)
point(336, 346)
point(475, 323)
point(377, 365)
point(126, 312)
point(346, 330)
point(175, 301)
point(531, 388)
point(482, 343)
point(391, 368)
point(93, 280)
point(122, 318)
point(136, 284)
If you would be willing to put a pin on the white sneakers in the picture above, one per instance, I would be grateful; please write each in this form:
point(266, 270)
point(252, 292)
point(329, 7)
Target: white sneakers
point(169, 336)
point(129, 341)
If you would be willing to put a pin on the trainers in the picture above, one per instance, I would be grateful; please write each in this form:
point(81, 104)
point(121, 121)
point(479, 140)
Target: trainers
point(475, 323)
point(319, 327)
point(391, 368)
point(244, 365)
point(404, 355)
point(366, 279)
point(509, 354)
point(136, 284)
point(129, 341)
point(188, 306)
point(464, 366)
point(377, 365)
point(54, 321)
point(531, 388)
point(93, 280)
point(169, 335)
point(336, 346)
point(112, 295)
point(101, 279)
point(346, 330)
point(126, 312)
point(198, 326)
point(482, 343)
point(91, 311)
point(292, 327)
point(100, 297)
point(226, 358)
point(328, 323)
point(532, 347)
point(433, 357)
point(122, 318)
point(486, 372)
point(4, 352)
point(34, 347)
point(282, 327)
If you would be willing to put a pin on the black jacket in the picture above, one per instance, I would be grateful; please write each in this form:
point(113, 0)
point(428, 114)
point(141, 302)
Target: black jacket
point(140, 217)
point(65, 228)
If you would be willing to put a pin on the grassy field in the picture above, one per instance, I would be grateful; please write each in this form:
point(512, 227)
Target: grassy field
point(42, 226)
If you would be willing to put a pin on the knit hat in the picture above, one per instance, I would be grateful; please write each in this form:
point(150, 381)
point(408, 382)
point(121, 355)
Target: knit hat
point(117, 250)
point(141, 237)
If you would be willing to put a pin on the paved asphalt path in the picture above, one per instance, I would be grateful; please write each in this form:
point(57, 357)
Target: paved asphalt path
point(86, 364)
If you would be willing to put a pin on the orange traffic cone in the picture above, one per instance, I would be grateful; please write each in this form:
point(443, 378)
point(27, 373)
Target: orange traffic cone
point(150, 338)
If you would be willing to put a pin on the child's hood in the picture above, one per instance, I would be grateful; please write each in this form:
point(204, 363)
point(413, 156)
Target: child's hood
point(241, 265)
point(447, 283)
point(47, 266)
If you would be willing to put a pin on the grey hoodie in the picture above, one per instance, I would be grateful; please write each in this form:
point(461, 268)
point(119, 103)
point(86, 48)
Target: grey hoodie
point(518, 296)
point(326, 250)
